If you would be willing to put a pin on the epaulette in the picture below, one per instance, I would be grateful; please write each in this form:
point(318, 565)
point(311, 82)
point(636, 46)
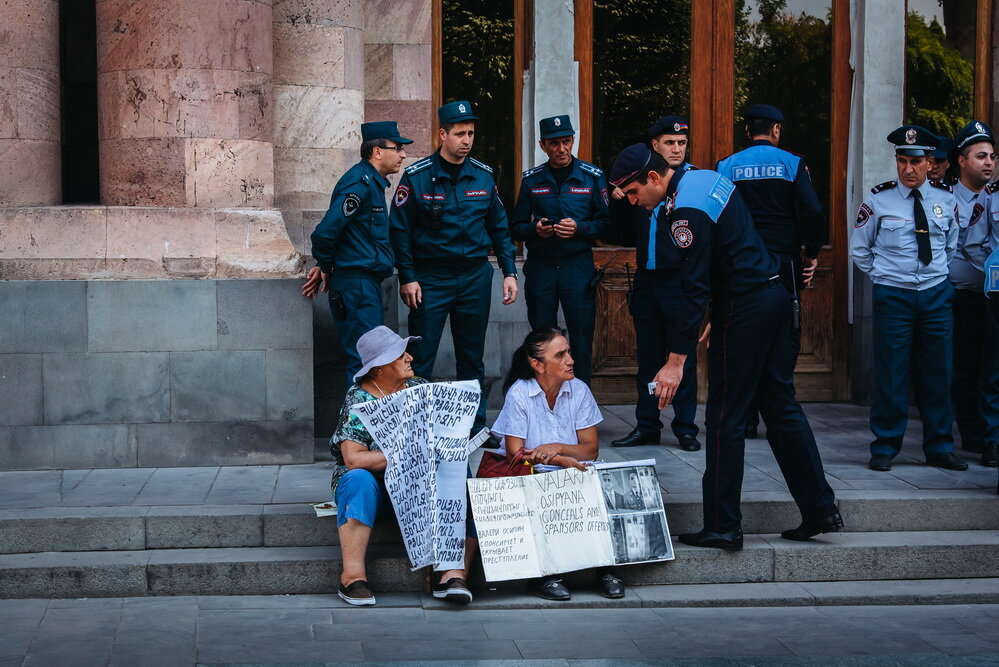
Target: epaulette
point(419, 165)
point(992, 188)
point(881, 187)
point(531, 171)
point(591, 169)
point(480, 165)
point(941, 185)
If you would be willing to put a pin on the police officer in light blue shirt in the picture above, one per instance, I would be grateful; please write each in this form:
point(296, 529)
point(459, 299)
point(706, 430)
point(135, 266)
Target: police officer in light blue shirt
point(976, 333)
point(904, 239)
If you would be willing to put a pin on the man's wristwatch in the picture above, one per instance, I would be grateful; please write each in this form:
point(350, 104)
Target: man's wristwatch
point(511, 275)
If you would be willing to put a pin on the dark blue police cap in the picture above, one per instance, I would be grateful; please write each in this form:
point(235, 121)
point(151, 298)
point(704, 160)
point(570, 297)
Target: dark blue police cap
point(456, 112)
point(972, 133)
point(556, 127)
point(629, 164)
point(383, 129)
point(766, 111)
point(914, 141)
point(669, 125)
point(942, 151)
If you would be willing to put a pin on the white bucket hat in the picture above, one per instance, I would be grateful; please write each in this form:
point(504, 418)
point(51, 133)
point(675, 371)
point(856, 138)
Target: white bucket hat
point(378, 347)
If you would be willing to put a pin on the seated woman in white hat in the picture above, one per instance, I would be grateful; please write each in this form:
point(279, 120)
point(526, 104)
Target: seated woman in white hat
point(359, 467)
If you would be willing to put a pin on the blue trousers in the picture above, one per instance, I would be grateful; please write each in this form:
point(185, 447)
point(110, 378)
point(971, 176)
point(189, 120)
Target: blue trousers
point(362, 300)
point(913, 338)
point(976, 369)
point(654, 305)
point(549, 282)
point(464, 294)
point(751, 354)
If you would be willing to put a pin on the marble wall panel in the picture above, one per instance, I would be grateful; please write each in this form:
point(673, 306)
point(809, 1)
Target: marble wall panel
point(317, 117)
point(320, 12)
point(415, 120)
point(149, 241)
point(397, 21)
point(38, 104)
point(309, 54)
point(228, 173)
point(311, 172)
point(353, 71)
point(254, 243)
point(29, 34)
point(143, 172)
point(52, 233)
point(379, 60)
point(411, 78)
point(30, 172)
point(183, 34)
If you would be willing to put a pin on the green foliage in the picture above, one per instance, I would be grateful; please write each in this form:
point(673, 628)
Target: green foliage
point(940, 82)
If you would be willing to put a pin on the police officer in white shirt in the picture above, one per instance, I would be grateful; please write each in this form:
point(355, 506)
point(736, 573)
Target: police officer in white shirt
point(904, 239)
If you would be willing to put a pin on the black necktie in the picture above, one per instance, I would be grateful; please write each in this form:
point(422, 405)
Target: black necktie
point(922, 228)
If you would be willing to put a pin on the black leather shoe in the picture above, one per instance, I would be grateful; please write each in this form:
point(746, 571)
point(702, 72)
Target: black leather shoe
point(990, 456)
point(611, 587)
point(752, 432)
point(636, 438)
point(880, 462)
point(729, 541)
point(947, 461)
point(549, 588)
point(809, 529)
point(688, 442)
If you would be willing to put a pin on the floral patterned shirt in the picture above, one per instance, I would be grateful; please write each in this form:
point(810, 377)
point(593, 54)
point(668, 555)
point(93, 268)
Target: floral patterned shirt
point(350, 428)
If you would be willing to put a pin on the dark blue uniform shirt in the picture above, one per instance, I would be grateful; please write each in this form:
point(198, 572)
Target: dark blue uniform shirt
point(353, 236)
point(707, 221)
point(777, 188)
point(469, 219)
point(582, 197)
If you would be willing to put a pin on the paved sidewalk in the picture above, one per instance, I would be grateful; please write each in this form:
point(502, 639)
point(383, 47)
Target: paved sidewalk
point(840, 429)
point(321, 629)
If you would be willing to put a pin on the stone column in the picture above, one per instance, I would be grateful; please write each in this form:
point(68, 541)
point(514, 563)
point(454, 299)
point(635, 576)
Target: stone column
point(186, 117)
point(877, 106)
point(30, 171)
point(319, 104)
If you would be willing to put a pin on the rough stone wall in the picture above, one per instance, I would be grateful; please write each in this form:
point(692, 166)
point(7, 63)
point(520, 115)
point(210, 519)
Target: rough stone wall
point(29, 103)
point(186, 112)
point(319, 103)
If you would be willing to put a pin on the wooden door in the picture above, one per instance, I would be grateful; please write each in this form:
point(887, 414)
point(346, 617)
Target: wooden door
point(614, 364)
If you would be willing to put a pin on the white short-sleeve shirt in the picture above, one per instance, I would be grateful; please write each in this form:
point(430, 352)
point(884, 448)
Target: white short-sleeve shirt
point(526, 415)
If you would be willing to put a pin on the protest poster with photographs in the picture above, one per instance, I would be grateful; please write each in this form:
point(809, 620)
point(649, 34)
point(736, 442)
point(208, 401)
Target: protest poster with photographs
point(423, 432)
point(567, 519)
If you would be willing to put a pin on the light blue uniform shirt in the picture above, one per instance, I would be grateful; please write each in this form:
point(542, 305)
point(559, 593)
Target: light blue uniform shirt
point(883, 243)
point(967, 269)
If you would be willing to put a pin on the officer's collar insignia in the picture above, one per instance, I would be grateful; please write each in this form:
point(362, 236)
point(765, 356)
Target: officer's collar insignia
point(351, 203)
point(938, 210)
point(910, 136)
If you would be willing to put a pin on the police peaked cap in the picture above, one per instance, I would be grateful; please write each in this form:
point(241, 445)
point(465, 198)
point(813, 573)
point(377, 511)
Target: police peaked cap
point(972, 133)
point(630, 164)
point(766, 111)
point(383, 129)
point(669, 125)
point(913, 141)
point(456, 112)
point(556, 127)
point(942, 151)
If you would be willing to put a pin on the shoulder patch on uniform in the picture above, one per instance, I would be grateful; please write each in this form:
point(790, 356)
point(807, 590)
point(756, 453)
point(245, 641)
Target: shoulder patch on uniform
point(532, 171)
point(863, 215)
point(992, 188)
point(707, 191)
point(418, 166)
point(881, 187)
point(941, 185)
point(481, 165)
point(401, 195)
point(591, 168)
point(351, 203)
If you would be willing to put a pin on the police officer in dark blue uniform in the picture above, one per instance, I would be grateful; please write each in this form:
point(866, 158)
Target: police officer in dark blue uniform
point(446, 217)
point(655, 295)
point(723, 260)
point(561, 210)
point(351, 243)
point(778, 191)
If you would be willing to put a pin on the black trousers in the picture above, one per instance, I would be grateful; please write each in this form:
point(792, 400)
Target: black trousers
point(975, 391)
point(751, 354)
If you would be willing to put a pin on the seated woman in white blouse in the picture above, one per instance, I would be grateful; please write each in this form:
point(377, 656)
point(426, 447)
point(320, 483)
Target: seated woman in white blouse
point(553, 415)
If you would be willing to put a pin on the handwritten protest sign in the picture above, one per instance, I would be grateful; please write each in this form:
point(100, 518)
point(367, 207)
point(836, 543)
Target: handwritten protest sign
point(423, 432)
point(568, 519)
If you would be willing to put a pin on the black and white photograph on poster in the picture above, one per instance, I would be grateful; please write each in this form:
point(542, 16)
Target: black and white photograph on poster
point(634, 489)
point(640, 537)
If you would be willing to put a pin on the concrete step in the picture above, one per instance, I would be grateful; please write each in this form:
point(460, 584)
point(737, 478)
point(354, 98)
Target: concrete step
point(291, 525)
point(291, 570)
